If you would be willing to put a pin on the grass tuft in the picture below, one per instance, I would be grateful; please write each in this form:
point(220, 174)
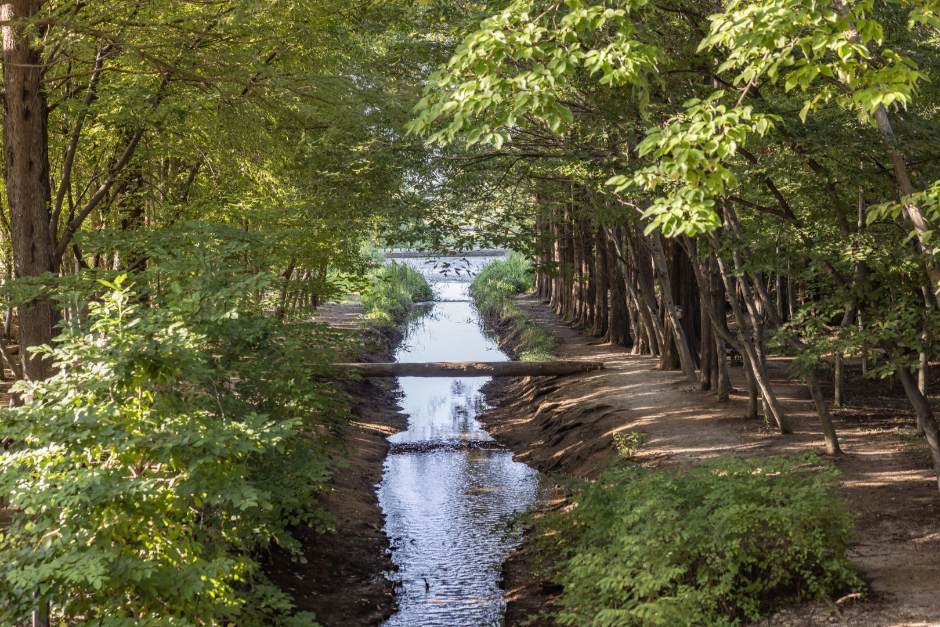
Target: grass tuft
point(494, 291)
point(395, 287)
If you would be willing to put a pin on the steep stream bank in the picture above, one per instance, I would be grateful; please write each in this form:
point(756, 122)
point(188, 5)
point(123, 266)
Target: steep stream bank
point(343, 580)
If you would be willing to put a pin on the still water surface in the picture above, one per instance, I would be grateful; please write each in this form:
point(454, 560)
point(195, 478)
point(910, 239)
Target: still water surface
point(449, 490)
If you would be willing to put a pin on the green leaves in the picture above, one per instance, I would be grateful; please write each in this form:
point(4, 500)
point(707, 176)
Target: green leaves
point(702, 545)
point(689, 166)
point(177, 438)
point(818, 45)
point(519, 62)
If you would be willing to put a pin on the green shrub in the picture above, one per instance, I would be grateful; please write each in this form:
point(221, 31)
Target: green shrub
point(395, 287)
point(182, 433)
point(709, 545)
point(494, 291)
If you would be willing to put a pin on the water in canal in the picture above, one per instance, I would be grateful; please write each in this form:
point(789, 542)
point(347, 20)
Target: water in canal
point(449, 491)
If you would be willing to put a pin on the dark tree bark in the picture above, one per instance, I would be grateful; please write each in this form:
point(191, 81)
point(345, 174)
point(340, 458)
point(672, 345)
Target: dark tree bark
point(618, 315)
point(589, 276)
point(678, 332)
point(559, 259)
point(925, 417)
point(707, 357)
point(26, 168)
point(601, 284)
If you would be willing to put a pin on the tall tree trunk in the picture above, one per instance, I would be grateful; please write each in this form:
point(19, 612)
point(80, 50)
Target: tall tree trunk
point(26, 168)
point(617, 332)
point(601, 284)
point(642, 262)
point(753, 393)
point(577, 272)
point(829, 432)
point(717, 294)
point(838, 379)
point(708, 358)
point(750, 352)
point(925, 417)
point(678, 333)
point(724, 374)
point(589, 279)
point(558, 258)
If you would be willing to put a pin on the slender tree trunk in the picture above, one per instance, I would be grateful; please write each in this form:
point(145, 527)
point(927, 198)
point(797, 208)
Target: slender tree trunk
point(829, 432)
point(618, 290)
point(649, 309)
point(925, 416)
point(601, 284)
point(753, 393)
point(589, 279)
point(922, 388)
point(781, 295)
point(838, 379)
point(791, 299)
point(577, 276)
point(678, 333)
point(708, 359)
point(911, 211)
point(26, 169)
point(717, 293)
point(750, 354)
point(629, 276)
point(724, 373)
point(558, 257)
point(618, 314)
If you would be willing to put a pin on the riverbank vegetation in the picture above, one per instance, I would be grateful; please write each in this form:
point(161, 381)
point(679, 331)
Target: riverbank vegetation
point(184, 430)
point(185, 184)
point(393, 289)
point(751, 182)
point(494, 291)
point(715, 544)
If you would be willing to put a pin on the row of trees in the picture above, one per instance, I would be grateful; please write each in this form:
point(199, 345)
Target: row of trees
point(754, 175)
point(131, 116)
point(179, 176)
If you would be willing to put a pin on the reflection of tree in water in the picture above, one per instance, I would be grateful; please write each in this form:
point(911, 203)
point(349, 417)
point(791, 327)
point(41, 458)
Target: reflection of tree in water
point(461, 269)
point(466, 403)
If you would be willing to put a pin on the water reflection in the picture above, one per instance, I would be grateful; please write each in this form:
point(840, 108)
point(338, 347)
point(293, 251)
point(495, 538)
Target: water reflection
point(449, 489)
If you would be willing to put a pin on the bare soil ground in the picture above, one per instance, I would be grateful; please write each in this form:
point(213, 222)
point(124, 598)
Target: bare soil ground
point(343, 579)
point(566, 426)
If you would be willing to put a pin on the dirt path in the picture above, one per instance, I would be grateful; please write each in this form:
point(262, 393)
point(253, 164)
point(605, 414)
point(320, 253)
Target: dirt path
point(343, 580)
point(566, 425)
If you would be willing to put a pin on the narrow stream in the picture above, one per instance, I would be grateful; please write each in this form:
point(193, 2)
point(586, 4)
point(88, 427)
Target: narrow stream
point(449, 490)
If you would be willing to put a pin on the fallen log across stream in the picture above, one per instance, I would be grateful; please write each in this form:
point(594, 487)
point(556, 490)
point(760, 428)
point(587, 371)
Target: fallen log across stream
point(471, 368)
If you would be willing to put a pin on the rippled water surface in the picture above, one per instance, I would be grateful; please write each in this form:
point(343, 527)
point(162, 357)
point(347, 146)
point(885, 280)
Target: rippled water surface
point(449, 490)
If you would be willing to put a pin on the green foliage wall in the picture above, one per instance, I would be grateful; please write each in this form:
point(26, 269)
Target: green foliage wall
point(184, 432)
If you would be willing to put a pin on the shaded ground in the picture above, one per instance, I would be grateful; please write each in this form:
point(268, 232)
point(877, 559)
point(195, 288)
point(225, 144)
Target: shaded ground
point(343, 580)
point(566, 426)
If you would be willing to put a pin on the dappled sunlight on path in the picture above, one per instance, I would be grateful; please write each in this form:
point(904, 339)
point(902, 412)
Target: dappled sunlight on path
point(567, 425)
